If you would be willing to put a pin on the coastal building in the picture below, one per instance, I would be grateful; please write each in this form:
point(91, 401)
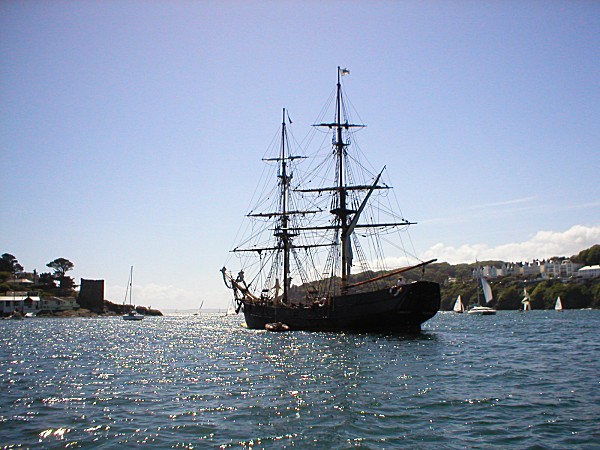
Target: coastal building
point(492, 272)
point(91, 295)
point(568, 268)
point(56, 304)
point(530, 269)
point(550, 269)
point(489, 272)
point(24, 302)
point(589, 272)
point(554, 268)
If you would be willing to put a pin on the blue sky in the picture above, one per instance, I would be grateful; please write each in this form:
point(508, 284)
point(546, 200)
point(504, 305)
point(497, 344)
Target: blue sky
point(131, 132)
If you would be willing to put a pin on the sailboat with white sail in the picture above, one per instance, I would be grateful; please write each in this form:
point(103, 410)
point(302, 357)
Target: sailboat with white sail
point(459, 306)
point(199, 309)
point(526, 302)
point(231, 309)
point(481, 308)
point(558, 306)
point(132, 314)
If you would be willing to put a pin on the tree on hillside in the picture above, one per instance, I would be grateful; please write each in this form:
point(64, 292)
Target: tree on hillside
point(61, 266)
point(577, 296)
point(589, 257)
point(47, 282)
point(595, 292)
point(509, 297)
point(8, 263)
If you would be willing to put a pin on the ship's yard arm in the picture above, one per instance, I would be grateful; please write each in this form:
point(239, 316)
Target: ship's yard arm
point(391, 274)
point(354, 220)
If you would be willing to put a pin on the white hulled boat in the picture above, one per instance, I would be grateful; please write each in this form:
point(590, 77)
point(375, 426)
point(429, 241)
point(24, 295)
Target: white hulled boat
point(488, 297)
point(132, 314)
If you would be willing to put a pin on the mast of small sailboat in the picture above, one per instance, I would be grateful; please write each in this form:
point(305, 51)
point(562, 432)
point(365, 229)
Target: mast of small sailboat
point(479, 277)
point(129, 287)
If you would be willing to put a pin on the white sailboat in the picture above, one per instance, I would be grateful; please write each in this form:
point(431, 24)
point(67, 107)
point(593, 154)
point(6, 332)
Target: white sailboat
point(459, 307)
point(199, 309)
point(488, 296)
point(231, 310)
point(558, 306)
point(132, 314)
point(526, 300)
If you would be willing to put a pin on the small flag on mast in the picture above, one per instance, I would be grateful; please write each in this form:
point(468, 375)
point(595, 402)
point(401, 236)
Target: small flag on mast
point(345, 71)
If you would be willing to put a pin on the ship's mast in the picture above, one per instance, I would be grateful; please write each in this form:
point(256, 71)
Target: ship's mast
point(283, 233)
point(342, 206)
point(341, 211)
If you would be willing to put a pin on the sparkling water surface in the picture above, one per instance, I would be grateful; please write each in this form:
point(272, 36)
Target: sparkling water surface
point(520, 380)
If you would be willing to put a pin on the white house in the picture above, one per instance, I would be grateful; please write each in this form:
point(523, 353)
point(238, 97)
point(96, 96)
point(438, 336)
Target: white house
point(589, 271)
point(59, 304)
point(550, 269)
point(568, 268)
point(21, 301)
point(530, 268)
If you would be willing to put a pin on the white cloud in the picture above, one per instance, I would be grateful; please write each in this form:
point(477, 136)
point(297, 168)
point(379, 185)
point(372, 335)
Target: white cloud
point(511, 202)
point(543, 244)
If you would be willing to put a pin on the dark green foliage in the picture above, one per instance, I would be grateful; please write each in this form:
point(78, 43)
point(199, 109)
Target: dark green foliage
point(45, 283)
point(8, 263)
point(509, 295)
point(508, 290)
point(61, 266)
point(595, 294)
point(5, 276)
point(65, 283)
point(589, 257)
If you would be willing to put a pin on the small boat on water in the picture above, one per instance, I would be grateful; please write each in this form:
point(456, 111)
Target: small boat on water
point(276, 326)
point(16, 315)
point(558, 306)
point(526, 302)
point(481, 308)
point(231, 309)
point(199, 309)
point(459, 307)
point(309, 232)
point(132, 314)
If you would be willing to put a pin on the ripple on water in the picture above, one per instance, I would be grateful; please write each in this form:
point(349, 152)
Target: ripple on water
point(518, 380)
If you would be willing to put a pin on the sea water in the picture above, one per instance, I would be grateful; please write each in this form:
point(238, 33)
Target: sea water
point(520, 380)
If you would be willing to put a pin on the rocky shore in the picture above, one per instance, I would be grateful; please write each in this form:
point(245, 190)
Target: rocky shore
point(110, 309)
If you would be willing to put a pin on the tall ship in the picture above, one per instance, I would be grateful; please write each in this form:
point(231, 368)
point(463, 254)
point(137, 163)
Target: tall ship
point(312, 255)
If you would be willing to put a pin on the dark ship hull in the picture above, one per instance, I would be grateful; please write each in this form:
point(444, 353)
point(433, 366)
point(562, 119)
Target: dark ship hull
point(395, 310)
